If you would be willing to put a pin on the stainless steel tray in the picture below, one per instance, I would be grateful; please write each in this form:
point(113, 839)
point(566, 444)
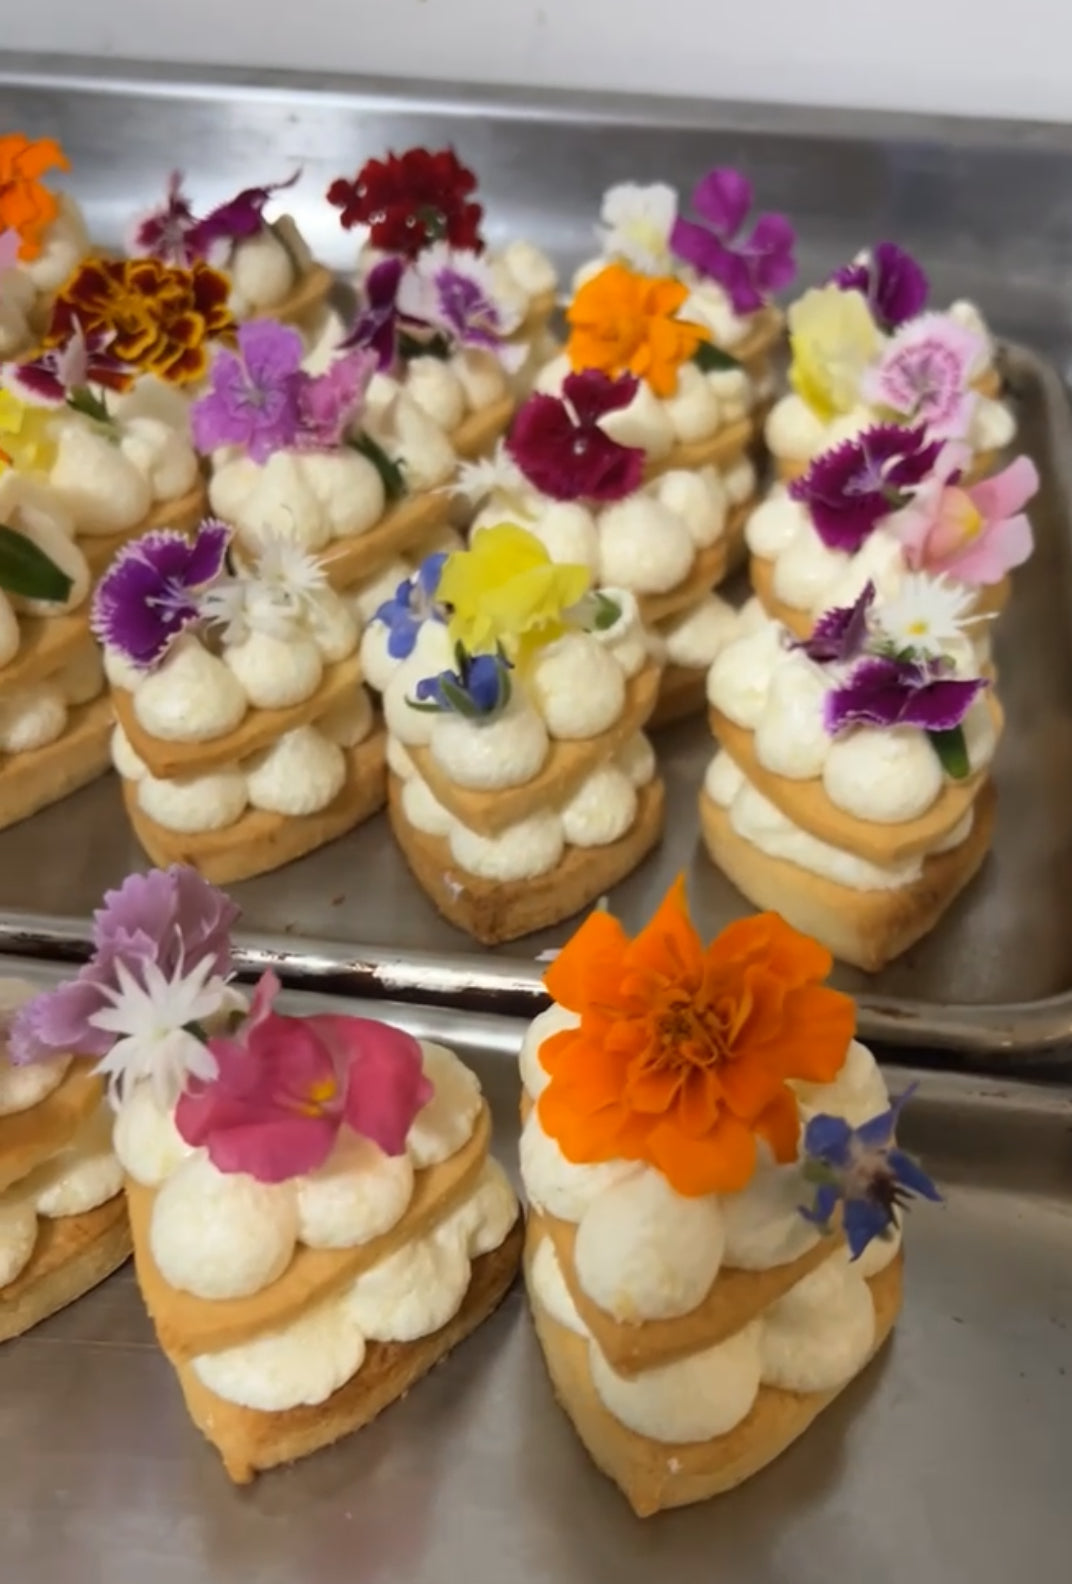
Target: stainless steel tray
point(947, 1461)
point(976, 199)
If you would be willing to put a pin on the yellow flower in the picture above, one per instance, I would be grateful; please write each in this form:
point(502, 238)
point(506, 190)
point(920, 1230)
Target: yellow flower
point(833, 340)
point(25, 435)
point(506, 590)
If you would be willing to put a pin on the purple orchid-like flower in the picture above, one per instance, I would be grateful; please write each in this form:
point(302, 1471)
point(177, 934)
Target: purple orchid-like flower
point(840, 635)
point(254, 400)
point(454, 292)
point(329, 404)
point(380, 322)
point(864, 1170)
point(560, 448)
point(750, 266)
point(150, 593)
point(849, 489)
point(172, 919)
point(165, 232)
point(889, 690)
point(478, 689)
point(894, 285)
point(924, 375)
point(238, 218)
point(413, 604)
point(57, 374)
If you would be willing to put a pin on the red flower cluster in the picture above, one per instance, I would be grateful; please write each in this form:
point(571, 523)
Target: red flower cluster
point(411, 200)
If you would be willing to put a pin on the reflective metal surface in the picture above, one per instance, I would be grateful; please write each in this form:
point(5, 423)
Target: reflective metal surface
point(948, 1461)
point(985, 204)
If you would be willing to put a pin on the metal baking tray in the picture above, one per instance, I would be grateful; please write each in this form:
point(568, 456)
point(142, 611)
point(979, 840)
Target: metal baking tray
point(981, 202)
point(947, 1461)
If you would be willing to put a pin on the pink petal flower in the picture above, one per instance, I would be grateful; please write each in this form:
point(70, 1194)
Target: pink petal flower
point(386, 1086)
point(925, 372)
point(1008, 492)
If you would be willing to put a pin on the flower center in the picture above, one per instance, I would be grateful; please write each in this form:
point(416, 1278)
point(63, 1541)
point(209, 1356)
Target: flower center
point(318, 1096)
point(693, 1036)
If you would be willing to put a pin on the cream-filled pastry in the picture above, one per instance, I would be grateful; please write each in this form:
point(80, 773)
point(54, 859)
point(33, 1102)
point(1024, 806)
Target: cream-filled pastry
point(516, 795)
point(853, 786)
point(307, 1247)
point(244, 735)
point(697, 1298)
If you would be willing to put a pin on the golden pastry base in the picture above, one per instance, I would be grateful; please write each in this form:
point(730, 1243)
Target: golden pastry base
point(807, 805)
point(493, 912)
point(259, 842)
point(259, 728)
point(568, 764)
point(722, 449)
point(865, 928)
point(476, 435)
point(32, 781)
point(656, 1475)
point(72, 1255)
point(990, 601)
point(682, 694)
point(360, 556)
point(250, 1441)
point(30, 1138)
point(306, 296)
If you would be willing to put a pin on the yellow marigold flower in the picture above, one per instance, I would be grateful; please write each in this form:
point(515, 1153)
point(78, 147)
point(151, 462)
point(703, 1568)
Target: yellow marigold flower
point(833, 341)
point(507, 591)
point(25, 435)
point(624, 323)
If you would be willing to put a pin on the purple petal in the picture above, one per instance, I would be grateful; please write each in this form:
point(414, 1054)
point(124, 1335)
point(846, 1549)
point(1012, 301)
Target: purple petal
point(771, 248)
point(827, 1138)
point(864, 1221)
point(703, 250)
point(208, 553)
point(900, 287)
point(939, 706)
point(723, 197)
point(270, 351)
point(382, 282)
point(839, 634)
point(57, 1023)
point(910, 1175)
point(874, 695)
point(593, 394)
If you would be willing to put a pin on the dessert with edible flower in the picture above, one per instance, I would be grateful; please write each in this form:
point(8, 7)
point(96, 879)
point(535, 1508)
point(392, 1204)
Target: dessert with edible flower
point(667, 543)
point(733, 262)
point(716, 1192)
point(43, 237)
point(852, 788)
point(866, 350)
point(418, 213)
point(63, 1222)
point(315, 1216)
point(516, 795)
point(889, 501)
point(244, 737)
point(353, 477)
point(268, 262)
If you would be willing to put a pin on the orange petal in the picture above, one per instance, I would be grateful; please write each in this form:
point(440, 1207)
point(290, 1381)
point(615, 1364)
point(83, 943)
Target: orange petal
point(582, 1139)
point(792, 957)
point(826, 1021)
point(588, 966)
point(668, 944)
point(780, 1126)
point(722, 1162)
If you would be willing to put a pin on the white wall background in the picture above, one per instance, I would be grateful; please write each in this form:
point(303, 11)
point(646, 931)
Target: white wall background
point(991, 57)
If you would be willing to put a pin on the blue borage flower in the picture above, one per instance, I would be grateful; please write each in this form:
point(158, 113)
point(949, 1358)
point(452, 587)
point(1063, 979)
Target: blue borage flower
point(413, 604)
point(479, 689)
point(864, 1170)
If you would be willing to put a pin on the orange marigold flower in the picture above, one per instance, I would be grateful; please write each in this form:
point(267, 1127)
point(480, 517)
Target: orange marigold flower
point(683, 1053)
point(162, 318)
point(27, 207)
point(623, 323)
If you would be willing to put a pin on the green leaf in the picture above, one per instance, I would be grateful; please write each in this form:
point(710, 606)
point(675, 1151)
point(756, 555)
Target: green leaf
point(410, 346)
point(606, 613)
point(952, 752)
point(83, 401)
point(711, 359)
point(27, 571)
point(391, 474)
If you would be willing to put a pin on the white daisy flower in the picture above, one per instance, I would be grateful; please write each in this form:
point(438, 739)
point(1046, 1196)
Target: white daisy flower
point(151, 1018)
point(928, 614)
point(497, 474)
point(636, 227)
point(276, 594)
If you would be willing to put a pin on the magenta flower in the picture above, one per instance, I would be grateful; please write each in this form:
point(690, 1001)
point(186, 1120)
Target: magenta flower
point(58, 373)
point(851, 488)
point(454, 293)
point(883, 690)
point(238, 218)
point(172, 919)
point(975, 534)
point(752, 267)
point(924, 375)
point(330, 403)
point(254, 399)
point(560, 448)
point(150, 593)
point(285, 1086)
point(894, 285)
point(164, 233)
point(380, 322)
point(840, 634)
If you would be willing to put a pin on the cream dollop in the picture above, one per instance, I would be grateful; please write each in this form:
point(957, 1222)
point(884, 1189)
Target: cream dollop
point(602, 809)
point(644, 545)
point(275, 673)
point(522, 851)
point(883, 775)
point(358, 1194)
point(554, 1019)
point(412, 1292)
point(302, 1364)
point(445, 1124)
point(695, 1399)
point(194, 803)
point(644, 1252)
point(561, 1187)
point(145, 1138)
point(103, 489)
point(191, 697)
point(548, 1287)
point(83, 1175)
point(299, 774)
point(697, 637)
point(507, 750)
point(739, 679)
point(221, 1235)
point(858, 1093)
point(699, 499)
point(636, 759)
point(31, 717)
point(571, 712)
point(763, 1224)
point(821, 1333)
point(423, 809)
point(18, 1235)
